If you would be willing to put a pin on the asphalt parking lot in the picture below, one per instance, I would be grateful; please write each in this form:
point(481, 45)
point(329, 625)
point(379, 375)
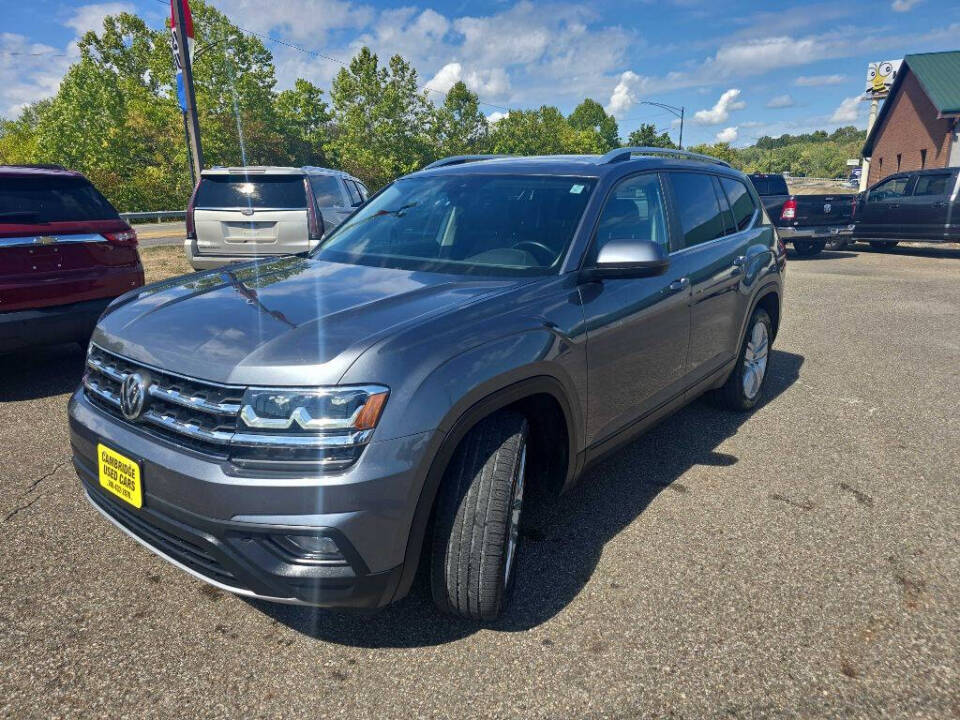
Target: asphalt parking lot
point(800, 561)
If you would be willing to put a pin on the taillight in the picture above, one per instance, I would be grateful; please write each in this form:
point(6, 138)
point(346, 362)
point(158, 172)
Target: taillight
point(191, 226)
point(125, 238)
point(789, 211)
point(314, 223)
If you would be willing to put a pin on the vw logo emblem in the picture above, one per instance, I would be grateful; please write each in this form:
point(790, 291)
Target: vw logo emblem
point(133, 395)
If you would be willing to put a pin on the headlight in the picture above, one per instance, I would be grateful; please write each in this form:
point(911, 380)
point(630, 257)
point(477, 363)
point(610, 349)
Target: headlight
point(337, 411)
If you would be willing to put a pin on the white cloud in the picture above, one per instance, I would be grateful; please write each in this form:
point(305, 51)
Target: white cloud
point(496, 117)
point(818, 80)
point(848, 111)
point(727, 135)
point(626, 93)
point(720, 112)
point(780, 101)
point(28, 72)
point(903, 5)
point(493, 82)
point(90, 17)
point(765, 54)
point(297, 20)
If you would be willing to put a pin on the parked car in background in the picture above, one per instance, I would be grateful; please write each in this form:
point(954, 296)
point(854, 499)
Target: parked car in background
point(65, 254)
point(773, 191)
point(295, 429)
point(854, 179)
point(809, 222)
point(921, 206)
point(242, 213)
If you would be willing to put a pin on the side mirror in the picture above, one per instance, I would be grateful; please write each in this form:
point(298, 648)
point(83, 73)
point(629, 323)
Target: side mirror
point(629, 259)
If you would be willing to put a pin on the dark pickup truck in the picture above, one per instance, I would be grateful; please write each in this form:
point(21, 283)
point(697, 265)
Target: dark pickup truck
point(807, 221)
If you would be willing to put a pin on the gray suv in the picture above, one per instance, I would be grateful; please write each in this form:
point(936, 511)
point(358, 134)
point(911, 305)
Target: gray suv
point(312, 429)
point(242, 213)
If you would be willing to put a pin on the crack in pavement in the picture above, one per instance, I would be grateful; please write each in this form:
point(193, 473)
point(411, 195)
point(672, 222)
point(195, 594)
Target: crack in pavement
point(33, 486)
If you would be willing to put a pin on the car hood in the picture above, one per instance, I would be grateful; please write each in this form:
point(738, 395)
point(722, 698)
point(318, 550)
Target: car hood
point(295, 321)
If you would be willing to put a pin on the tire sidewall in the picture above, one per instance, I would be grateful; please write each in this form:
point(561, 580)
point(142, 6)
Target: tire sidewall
point(759, 316)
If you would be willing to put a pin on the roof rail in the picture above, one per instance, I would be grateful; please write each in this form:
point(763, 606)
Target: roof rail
point(459, 160)
point(625, 153)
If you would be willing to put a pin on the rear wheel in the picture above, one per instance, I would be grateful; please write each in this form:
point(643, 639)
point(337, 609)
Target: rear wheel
point(743, 388)
point(884, 244)
point(477, 524)
point(809, 248)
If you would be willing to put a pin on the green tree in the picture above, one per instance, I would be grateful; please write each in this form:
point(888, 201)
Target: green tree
point(381, 118)
point(544, 131)
point(647, 136)
point(590, 116)
point(303, 117)
point(459, 128)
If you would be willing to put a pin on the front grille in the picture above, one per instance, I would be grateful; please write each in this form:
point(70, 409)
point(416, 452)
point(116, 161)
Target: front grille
point(201, 414)
point(204, 417)
point(183, 551)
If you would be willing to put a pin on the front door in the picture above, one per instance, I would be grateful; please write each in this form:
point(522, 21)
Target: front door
point(882, 215)
point(637, 328)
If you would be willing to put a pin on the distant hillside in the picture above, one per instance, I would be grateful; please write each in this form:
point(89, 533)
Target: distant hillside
point(816, 154)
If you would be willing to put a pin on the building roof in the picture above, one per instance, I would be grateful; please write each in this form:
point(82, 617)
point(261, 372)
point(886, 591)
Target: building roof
point(938, 75)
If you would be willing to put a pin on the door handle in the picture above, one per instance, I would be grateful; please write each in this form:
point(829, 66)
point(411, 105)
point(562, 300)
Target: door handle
point(739, 261)
point(681, 284)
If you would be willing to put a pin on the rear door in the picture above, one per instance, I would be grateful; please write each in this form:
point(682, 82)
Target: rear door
point(332, 200)
point(712, 255)
point(61, 242)
point(926, 209)
point(250, 214)
point(881, 217)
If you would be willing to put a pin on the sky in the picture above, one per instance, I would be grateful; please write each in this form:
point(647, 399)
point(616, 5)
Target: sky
point(740, 69)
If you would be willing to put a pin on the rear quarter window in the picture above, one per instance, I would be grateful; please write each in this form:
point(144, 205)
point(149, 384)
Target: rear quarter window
point(741, 202)
point(43, 199)
point(934, 184)
point(257, 191)
point(326, 190)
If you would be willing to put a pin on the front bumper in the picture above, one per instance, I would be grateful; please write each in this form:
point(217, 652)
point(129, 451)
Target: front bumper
point(824, 232)
point(50, 325)
point(221, 524)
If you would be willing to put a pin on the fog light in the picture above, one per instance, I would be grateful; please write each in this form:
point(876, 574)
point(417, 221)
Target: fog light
point(311, 547)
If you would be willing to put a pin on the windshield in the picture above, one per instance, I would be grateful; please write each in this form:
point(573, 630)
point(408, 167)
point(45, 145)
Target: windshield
point(479, 224)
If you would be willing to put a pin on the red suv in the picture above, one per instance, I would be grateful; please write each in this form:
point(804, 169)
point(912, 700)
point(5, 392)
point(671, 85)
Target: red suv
point(65, 253)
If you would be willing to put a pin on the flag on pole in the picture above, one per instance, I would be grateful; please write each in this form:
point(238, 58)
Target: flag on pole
point(188, 34)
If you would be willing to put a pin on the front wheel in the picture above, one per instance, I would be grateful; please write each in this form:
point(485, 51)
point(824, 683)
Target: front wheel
point(743, 388)
point(808, 248)
point(477, 523)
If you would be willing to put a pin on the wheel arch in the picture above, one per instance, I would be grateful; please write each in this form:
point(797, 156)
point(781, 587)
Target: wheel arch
point(543, 400)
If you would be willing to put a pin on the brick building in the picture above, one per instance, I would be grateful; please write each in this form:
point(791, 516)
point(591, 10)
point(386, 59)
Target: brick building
point(918, 125)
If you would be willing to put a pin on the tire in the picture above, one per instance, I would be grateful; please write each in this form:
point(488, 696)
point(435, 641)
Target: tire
point(808, 248)
point(476, 525)
point(884, 244)
point(736, 394)
point(837, 244)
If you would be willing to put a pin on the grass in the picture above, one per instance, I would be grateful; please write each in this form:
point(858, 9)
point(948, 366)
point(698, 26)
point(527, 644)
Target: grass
point(163, 261)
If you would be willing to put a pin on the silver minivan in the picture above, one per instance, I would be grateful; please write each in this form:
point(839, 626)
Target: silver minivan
point(241, 213)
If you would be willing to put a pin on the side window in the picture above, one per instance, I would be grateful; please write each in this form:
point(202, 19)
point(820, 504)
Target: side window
point(889, 190)
point(364, 193)
point(701, 219)
point(741, 202)
point(325, 190)
point(352, 191)
point(634, 211)
point(933, 184)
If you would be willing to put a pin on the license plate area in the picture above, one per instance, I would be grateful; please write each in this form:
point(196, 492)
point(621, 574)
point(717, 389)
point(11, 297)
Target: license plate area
point(120, 475)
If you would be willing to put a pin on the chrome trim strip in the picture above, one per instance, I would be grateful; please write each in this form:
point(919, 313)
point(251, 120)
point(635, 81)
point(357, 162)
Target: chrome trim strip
point(36, 241)
point(222, 437)
point(192, 401)
point(239, 388)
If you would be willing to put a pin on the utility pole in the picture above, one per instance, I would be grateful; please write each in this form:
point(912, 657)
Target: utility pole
point(681, 127)
point(182, 33)
point(865, 165)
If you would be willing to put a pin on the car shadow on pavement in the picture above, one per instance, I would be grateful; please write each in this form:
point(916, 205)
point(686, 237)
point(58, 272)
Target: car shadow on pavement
point(564, 537)
point(42, 372)
point(945, 251)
